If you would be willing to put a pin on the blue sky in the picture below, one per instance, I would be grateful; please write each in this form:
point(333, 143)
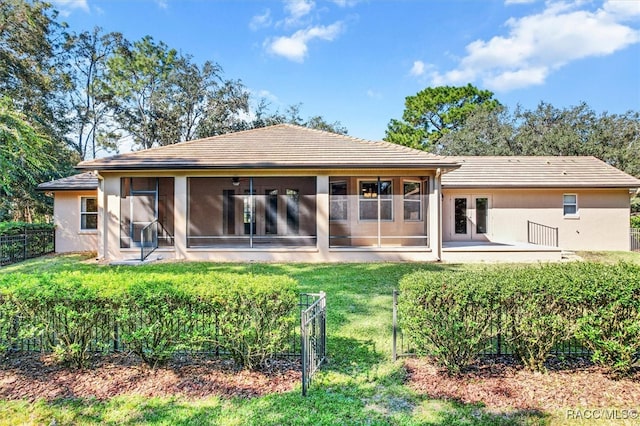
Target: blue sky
point(355, 61)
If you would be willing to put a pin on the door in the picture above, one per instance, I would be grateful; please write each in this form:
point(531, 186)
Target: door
point(143, 212)
point(470, 217)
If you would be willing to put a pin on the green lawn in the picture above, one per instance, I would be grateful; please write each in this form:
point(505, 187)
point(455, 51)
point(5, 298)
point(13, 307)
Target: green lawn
point(359, 385)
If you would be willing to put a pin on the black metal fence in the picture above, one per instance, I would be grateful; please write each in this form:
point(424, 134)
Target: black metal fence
point(26, 245)
point(540, 234)
point(496, 346)
point(634, 234)
point(313, 335)
point(306, 342)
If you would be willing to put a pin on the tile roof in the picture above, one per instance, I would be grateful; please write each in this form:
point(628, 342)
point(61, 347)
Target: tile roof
point(276, 147)
point(79, 182)
point(536, 172)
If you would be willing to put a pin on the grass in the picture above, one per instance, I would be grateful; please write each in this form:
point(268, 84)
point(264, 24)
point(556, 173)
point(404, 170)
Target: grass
point(359, 385)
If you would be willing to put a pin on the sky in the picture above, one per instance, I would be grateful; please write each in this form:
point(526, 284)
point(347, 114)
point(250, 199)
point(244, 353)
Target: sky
point(355, 61)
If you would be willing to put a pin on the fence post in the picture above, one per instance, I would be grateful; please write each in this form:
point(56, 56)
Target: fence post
point(394, 353)
point(24, 251)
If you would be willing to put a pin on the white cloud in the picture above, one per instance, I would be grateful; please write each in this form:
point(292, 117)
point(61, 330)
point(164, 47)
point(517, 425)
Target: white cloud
point(519, 1)
point(66, 6)
point(622, 9)
point(346, 3)
point(539, 44)
point(417, 69)
point(162, 4)
point(260, 21)
point(295, 48)
point(374, 94)
point(297, 9)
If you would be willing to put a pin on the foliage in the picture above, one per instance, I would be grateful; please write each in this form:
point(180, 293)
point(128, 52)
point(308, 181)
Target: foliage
point(27, 157)
point(256, 319)
point(435, 111)
point(88, 56)
point(249, 317)
point(13, 228)
point(610, 325)
point(448, 316)
point(547, 130)
point(537, 314)
point(161, 97)
point(635, 222)
point(263, 117)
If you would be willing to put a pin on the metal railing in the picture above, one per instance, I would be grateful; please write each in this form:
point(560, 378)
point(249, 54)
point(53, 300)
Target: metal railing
point(27, 245)
point(540, 234)
point(634, 235)
point(496, 345)
point(313, 336)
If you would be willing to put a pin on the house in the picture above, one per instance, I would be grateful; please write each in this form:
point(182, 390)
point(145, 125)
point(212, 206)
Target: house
point(288, 193)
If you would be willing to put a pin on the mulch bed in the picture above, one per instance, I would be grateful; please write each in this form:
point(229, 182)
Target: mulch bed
point(35, 376)
point(504, 385)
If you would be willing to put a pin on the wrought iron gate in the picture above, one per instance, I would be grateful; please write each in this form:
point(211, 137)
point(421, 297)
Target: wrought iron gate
point(313, 335)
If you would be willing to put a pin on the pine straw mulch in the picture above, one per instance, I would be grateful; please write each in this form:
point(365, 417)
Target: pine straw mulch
point(502, 385)
point(35, 376)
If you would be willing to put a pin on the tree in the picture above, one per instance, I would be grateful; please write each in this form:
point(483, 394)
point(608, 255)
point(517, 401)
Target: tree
point(27, 157)
point(486, 131)
point(435, 111)
point(160, 97)
point(547, 130)
point(292, 115)
point(32, 70)
point(90, 125)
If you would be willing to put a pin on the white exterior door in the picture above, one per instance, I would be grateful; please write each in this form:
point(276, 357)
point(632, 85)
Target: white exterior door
point(469, 217)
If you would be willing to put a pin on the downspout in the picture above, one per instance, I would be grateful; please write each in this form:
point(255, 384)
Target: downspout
point(438, 189)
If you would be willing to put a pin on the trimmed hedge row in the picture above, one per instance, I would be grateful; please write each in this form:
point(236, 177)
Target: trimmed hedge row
point(16, 228)
point(248, 317)
point(448, 315)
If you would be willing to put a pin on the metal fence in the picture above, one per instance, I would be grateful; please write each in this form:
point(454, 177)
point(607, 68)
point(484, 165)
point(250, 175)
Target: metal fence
point(306, 341)
point(540, 234)
point(634, 234)
point(27, 245)
point(313, 336)
point(496, 345)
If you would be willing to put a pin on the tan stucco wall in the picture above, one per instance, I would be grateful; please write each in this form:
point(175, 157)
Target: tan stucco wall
point(602, 222)
point(66, 214)
point(109, 208)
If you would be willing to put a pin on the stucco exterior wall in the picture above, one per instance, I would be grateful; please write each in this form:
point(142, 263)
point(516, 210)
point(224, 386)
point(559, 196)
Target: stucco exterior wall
point(66, 214)
point(602, 221)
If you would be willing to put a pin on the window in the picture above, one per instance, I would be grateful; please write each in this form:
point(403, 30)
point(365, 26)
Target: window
point(482, 215)
point(570, 204)
point(338, 201)
point(374, 194)
point(88, 213)
point(412, 200)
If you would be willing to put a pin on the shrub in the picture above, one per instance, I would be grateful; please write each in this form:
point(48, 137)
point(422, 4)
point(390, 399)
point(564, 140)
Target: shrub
point(153, 315)
point(61, 311)
point(448, 316)
point(13, 228)
point(635, 221)
point(154, 320)
point(610, 325)
point(536, 312)
point(256, 316)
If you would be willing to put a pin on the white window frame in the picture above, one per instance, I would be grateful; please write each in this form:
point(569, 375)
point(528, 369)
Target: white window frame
point(361, 199)
point(84, 213)
point(564, 204)
point(418, 201)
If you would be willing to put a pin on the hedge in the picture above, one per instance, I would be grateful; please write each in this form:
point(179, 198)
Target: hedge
point(247, 317)
point(16, 228)
point(537, 307)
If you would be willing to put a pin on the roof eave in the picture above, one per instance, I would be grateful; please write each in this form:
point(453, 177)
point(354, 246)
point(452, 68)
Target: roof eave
point(160, 166)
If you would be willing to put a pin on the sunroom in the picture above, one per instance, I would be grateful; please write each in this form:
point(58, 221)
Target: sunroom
point(282, 193)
